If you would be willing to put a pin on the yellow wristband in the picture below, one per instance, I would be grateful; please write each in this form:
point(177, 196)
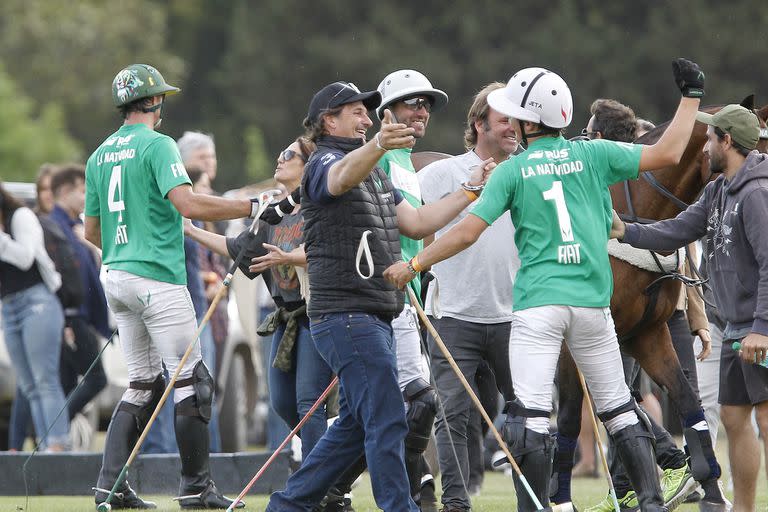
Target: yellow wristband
point(415, 264)
point(471, 195)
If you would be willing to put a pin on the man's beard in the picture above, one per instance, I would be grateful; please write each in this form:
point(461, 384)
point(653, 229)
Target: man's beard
point(716, 164)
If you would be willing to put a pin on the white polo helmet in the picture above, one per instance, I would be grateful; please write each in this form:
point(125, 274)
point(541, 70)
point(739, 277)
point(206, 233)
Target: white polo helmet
point(536, 95)
point(404, 83)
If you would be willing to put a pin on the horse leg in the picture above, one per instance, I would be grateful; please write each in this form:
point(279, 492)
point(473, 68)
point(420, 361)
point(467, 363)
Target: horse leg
point(653, 350)
point(570, 396)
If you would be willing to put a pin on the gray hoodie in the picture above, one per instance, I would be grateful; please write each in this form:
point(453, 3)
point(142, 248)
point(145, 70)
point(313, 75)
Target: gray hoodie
point(734, 217)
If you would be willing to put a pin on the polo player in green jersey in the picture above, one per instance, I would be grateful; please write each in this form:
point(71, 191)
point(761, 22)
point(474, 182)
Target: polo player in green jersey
point(136, 193)
point(557, 194)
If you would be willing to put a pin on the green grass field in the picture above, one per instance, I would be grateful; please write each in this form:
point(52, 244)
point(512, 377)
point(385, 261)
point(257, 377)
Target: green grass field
point(498, 495)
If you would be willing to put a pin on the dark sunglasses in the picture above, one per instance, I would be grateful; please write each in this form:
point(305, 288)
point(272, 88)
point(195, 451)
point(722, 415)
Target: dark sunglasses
point(588, 134)
point(418, 103)
point(288, 154)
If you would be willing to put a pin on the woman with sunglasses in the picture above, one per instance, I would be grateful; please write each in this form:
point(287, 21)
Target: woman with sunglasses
point(297, 373)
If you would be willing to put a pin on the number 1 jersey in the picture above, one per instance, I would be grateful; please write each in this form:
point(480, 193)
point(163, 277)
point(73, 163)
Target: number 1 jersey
point(557, 194)
point(127, 180)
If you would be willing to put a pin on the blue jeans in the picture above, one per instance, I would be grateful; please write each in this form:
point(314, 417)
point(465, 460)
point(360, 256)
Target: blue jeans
point(33, 323)
point(277, 430)
point(293, 393)
point(359, 348)
point(21, 419)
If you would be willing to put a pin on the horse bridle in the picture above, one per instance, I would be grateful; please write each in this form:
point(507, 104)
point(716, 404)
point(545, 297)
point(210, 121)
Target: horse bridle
point(661, 189)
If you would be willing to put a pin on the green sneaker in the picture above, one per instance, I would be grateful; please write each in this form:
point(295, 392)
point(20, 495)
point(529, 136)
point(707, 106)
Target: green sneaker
point(676, 485)
point(628, 503)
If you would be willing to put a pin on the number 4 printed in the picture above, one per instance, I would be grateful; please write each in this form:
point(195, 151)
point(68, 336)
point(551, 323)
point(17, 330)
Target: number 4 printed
point(115, 195)
point(563, 218)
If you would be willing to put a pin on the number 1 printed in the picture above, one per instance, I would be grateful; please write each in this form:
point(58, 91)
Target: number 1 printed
point(556, 194)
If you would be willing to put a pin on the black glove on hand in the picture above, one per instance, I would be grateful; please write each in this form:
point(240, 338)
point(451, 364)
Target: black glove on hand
point(689, 78)
point(275, 212)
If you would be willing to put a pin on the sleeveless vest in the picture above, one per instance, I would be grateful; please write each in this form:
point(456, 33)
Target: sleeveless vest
point(332, 234)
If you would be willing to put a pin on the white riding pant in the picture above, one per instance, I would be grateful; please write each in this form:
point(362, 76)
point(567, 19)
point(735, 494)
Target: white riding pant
point(156, 321)
point(410, 363)
point(708, 373)
point(534, 349)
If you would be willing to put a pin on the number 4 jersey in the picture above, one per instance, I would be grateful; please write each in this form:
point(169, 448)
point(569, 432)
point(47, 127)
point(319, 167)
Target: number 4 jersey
point(127, 180)
point(557, 195)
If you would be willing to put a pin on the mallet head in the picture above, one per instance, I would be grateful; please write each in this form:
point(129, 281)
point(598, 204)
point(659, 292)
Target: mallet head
point(104, 507)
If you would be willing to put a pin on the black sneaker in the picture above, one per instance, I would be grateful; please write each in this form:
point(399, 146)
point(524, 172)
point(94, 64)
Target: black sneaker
point(335, 504)
point(209, 498)
point(125, 499)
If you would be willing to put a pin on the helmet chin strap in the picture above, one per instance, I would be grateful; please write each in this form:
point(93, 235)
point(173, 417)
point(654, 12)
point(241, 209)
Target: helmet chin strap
point(157, 106)
point(526, 135)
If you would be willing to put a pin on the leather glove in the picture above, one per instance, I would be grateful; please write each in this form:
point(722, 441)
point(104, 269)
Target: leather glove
point(275, 212)
point(688, 77)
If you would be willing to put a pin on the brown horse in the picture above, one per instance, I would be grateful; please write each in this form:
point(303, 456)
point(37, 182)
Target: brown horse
point(641, 304)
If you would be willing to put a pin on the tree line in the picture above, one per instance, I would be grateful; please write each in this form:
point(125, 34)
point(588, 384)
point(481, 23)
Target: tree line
point(248, 69)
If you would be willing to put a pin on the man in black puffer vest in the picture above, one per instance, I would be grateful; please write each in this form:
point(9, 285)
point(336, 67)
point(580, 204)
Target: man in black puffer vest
point(353, 217)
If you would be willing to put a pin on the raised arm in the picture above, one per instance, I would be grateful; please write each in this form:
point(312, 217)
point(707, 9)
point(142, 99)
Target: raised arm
point(208, 207)
point(357, 164)
point(669, 149)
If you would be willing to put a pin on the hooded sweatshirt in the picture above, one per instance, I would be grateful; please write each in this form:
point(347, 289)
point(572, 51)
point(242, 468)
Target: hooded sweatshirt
point(733, 215)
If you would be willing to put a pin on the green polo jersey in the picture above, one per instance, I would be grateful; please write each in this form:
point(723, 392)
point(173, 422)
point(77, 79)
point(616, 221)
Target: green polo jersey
point(557, 195)
point(127, 180)
point(398, 166)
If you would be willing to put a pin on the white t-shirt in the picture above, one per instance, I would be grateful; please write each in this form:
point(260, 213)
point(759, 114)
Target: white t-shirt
point(476, 284)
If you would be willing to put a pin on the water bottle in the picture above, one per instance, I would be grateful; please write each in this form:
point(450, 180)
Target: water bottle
point(737, 346)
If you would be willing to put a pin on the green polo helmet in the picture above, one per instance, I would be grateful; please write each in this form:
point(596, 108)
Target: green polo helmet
point(139, 81)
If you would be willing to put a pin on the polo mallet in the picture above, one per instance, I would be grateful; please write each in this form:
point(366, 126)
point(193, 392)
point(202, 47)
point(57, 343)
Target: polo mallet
point(563, 507)
point(611, 488)
point(287, 440)
point(264, 200)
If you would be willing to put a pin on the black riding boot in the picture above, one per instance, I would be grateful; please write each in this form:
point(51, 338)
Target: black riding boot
point(122, 434)
point(535, 461)
point(197, 490)
point(634, 444)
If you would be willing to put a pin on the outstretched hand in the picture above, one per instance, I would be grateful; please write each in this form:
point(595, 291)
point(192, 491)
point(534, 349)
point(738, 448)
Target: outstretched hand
point(274, 256)
point(394, 135)
point(398, 274)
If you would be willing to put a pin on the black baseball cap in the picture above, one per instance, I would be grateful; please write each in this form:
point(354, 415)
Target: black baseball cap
point(337, 94)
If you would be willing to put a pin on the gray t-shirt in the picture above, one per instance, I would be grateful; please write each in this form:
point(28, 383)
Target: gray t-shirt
point(476, 284)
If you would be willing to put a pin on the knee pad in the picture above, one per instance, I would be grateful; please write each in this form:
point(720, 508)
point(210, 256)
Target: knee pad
point(144, 411)
point(422, 408)
point(520, 439)
point(202, 382)
point(630, 406)
point(643, 427)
